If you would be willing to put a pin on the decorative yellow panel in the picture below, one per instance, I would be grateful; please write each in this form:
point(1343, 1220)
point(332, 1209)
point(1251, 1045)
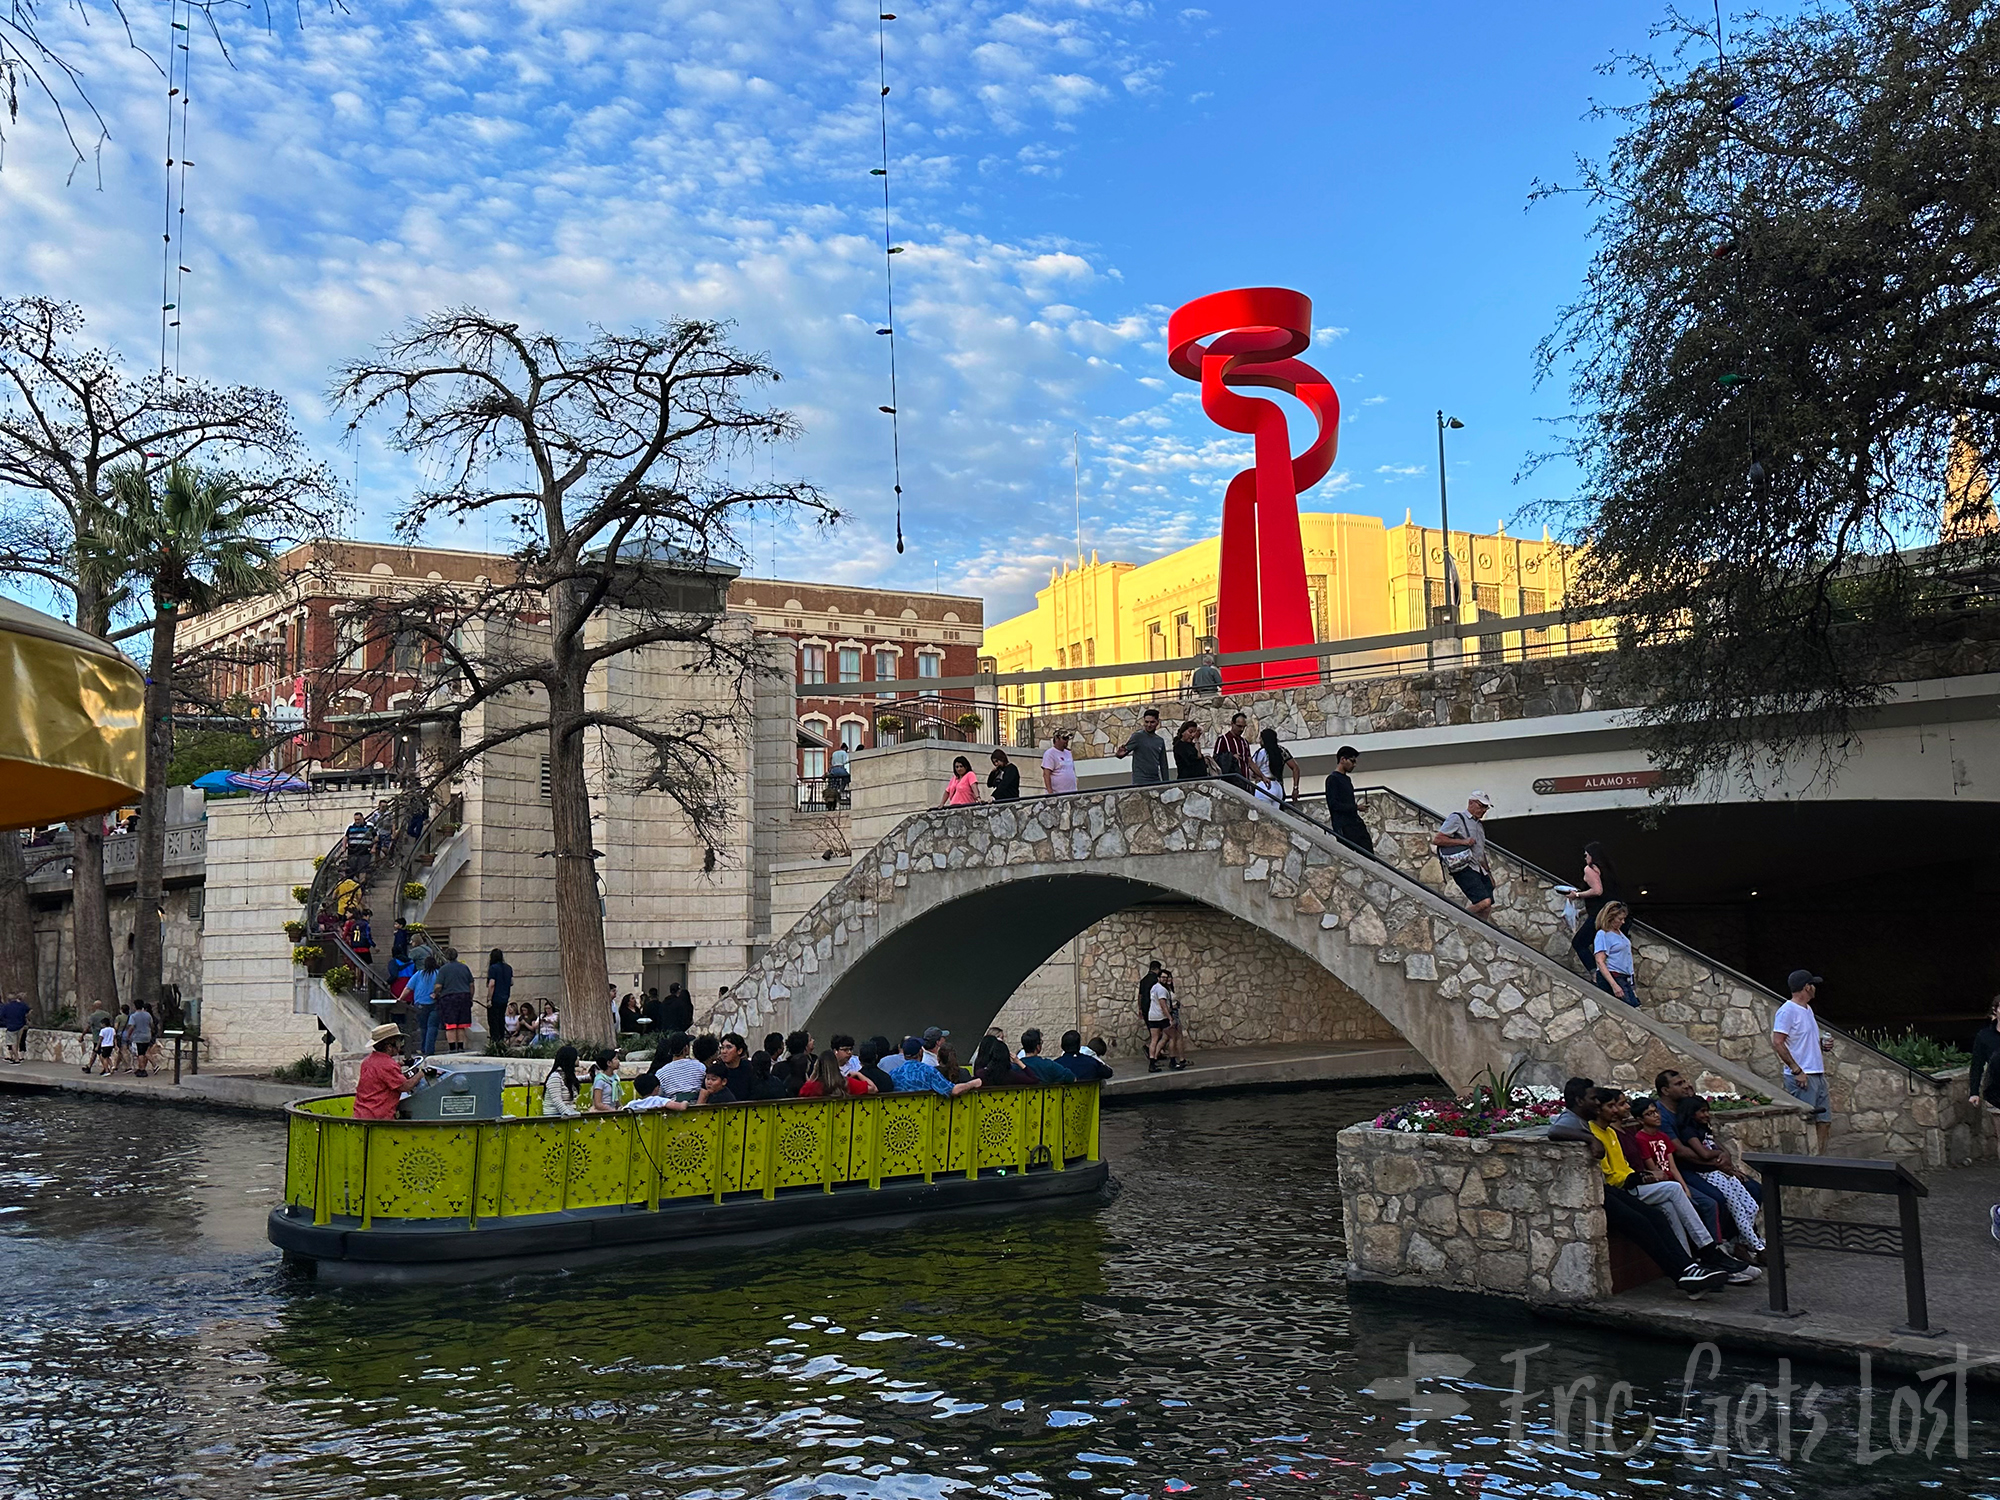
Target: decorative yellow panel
point(1000, 1131)
point(421, 1174)
point(683, 1145)
point(600, 1161)
point(905, 1134)
point(952, 1128)
point(759, 1128)
point(800, 1158)
point(302, 1148)
point(1076, 1107)
point(537, 1160)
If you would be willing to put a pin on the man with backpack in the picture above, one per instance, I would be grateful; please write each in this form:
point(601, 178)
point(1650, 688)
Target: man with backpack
point(1461, 845)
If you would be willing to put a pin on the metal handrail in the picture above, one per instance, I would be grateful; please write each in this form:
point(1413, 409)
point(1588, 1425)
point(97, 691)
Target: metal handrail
point(1643, 927)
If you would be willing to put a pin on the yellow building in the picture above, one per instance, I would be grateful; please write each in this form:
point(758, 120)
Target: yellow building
point(1366, 578)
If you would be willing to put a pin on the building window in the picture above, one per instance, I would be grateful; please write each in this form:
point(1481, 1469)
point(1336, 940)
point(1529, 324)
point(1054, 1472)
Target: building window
point(545, 778)
point(812, 664)
point(812, 763)
point(852, 732)
point(1208, 619)
point(353, 644)
point(1316, 588)
point(409, 653)
point(197, 903)
point(1486, 600)
point(1534, 642)
point(1183, 636)
point(299, 645)
point(929, 664)
point(850, 663)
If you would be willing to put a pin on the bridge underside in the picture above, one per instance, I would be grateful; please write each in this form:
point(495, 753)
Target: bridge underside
point(956, 965)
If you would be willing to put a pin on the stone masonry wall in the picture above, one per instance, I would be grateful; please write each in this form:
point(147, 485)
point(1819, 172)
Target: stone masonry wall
point(1895, 1112)
point(1504, 1216)
point(1238, 985)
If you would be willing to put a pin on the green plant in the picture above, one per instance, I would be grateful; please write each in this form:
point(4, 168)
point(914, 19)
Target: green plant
point(62, 1018)
point(199, 751)
point(413, 890)
point(889, 723)
point(319, 861)
point(303, 954)
point(300, 892)
point(308, 1069)
point(1915, 1050)
point(295, 930)
point(338, 980)
point(969, 722)
point(415, 927)
point(547, 1047)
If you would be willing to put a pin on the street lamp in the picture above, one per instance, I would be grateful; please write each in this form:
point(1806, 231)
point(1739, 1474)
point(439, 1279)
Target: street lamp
point(1444, 514)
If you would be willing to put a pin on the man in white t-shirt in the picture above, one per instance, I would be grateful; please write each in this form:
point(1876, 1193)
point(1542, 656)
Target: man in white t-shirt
point(1795, 1038)
point(1058, 765)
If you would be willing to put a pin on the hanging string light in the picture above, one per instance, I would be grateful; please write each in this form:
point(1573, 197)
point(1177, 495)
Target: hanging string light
point(889, 251)
point(174, 269)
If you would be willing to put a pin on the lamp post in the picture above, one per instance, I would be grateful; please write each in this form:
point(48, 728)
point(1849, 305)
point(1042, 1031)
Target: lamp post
point(1444, 513)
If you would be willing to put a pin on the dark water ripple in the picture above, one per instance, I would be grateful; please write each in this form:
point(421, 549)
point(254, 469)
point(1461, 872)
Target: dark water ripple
point(1195, 1336)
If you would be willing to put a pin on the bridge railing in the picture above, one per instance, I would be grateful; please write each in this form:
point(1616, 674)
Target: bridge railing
point(339, 1167)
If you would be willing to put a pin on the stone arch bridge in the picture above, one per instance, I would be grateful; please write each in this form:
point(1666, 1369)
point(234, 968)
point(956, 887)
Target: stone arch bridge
point(948, 914)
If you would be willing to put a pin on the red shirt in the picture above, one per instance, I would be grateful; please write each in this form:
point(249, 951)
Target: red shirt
point(1658, 1151)
point(856, 1084)
point(379, 1087)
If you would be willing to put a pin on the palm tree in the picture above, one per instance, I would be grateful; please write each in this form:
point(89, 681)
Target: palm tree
point(192, 543)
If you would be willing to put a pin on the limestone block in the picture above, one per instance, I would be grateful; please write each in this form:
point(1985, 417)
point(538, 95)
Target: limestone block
point(1380, 1248)
point(1423, 1257)
point(1420, 966)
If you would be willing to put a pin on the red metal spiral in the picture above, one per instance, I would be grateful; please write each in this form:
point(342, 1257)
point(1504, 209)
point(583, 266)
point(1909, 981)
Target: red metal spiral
point(1261, 598)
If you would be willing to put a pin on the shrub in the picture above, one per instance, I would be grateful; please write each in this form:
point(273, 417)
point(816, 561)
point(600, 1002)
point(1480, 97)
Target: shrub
point(338, 980)
point(308, 1069)
point(545, 1048)
point(1913, 1049)
point(300, 892)
point(413, 890)
point(1527, 1105)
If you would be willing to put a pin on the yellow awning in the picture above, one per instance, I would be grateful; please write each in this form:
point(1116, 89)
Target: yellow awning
point(72, 721)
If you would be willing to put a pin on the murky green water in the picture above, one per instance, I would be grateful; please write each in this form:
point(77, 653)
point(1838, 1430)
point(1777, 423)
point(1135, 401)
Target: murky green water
point(1195, 1336)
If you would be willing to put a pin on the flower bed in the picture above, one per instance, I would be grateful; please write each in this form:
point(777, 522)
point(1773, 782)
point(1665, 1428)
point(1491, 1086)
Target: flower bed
point(1527, 1104)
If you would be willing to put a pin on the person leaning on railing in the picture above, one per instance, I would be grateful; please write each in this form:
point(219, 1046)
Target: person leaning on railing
point(914, 1075)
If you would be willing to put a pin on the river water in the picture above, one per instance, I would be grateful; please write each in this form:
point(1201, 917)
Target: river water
point(1193, 1337)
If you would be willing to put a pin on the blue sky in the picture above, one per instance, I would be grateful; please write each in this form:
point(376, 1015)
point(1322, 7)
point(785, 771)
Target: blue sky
point(1067, 171)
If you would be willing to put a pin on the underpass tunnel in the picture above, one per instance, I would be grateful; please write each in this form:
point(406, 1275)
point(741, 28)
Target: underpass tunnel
point(1891, 901)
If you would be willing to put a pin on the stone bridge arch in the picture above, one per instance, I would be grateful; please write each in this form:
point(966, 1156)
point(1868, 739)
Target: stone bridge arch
point(954, 908)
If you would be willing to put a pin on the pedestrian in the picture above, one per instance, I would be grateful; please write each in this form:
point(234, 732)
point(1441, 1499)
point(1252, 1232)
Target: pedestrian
point(1207, 677)
point(399, 943)
point(121, 1039)
point(360, 847)
point(499, 990)
point(1270, 760)
point(1795, 1038)
point(454, 1000)
point(1235, 744)
point(1189, 763)
point(677, 1009)
point(422, 995)
point(385, 830)
point(1343, 812)
point(1461, 845)
point(1058, 765)
point(1146, 982)
point(963, 788)
point(139, 1035)
point(363, 940)
point(1147, 749)
point(1176, 1044)
point(93, 1028)
point(1611, 953)
point(107, 1048)
point(1004, 779)
point(14, 1021)
point(1600, 885)
point(1159, 1019)
point(839, 777)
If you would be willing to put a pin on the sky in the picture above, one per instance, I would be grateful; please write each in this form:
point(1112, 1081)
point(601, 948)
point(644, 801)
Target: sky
point(1065, 173)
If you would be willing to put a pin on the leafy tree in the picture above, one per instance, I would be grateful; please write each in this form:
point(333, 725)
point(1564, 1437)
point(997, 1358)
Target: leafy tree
point(71, 416)
point(1790, 326)
point(193, 543)
point(599, 458)
point(199, 751)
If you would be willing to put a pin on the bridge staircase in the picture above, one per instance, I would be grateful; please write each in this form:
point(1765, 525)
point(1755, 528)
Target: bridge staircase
point(1883, 1108)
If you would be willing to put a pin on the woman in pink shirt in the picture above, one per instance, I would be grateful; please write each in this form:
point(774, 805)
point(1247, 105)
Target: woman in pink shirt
point(964, 787)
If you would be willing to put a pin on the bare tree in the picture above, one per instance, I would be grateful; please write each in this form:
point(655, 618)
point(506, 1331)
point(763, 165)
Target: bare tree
point(71, 416)
point(601, 459)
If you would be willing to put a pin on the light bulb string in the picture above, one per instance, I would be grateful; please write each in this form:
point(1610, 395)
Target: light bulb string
point(883, 18)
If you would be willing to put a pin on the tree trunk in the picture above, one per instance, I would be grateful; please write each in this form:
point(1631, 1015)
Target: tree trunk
point(579, 914)
point(17, 927)
point(90, 905)
point(150, 883)
point(90, 918)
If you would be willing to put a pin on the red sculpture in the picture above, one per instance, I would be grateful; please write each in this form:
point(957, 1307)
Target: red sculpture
point(1261, 599)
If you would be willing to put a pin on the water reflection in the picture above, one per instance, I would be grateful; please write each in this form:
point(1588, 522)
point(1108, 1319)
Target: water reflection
point(1194, 1336)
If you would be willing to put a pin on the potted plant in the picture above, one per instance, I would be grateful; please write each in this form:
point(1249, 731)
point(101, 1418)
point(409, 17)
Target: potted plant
point(295, 930)
point(413, 890)
point(970, 722)
point(338, 980)
point(300, 892)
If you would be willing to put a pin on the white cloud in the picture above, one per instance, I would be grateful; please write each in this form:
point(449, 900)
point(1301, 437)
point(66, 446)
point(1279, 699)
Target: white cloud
point(1399, 471)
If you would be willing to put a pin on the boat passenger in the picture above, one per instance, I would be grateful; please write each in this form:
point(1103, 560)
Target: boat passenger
point(604, 1082)
point(949, 1065)
point(829, 1082)
point(646, 1096)
point(914, 1075)
point(764, 1084)
point(680, 1075)
point(733, 1052)
point(1083, 1066)
point(1045, 1069)
point(993, 1068)
point(383, 1084)
point(561, 1088)
point(871, 1066)
point(843, 1048)
point(715, 1085)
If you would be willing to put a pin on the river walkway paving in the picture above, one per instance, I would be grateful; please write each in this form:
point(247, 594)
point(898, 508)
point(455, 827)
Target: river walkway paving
point(1852, 1303)
point(208, 1090)
point(1256, 1067)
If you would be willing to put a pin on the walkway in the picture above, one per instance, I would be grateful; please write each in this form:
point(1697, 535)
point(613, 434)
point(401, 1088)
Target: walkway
point(1252, 1067)
point(245, 1091)
point(1852, 1303)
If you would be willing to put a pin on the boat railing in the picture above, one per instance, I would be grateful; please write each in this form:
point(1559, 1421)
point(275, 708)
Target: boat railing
point(525, 1163)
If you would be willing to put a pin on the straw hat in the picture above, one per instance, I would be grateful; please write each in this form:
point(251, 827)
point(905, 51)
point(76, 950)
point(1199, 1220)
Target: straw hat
point(383, 1032)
